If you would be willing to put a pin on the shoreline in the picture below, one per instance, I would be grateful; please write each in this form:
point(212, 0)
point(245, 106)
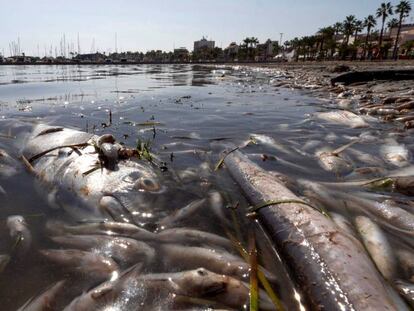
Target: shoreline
point(385, 63)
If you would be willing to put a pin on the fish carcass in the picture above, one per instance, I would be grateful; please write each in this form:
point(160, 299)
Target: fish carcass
point(342, 117)
point(88, 175)
point(332, 267)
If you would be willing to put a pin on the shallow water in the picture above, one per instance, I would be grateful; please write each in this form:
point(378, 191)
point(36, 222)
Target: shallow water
point(191, 111)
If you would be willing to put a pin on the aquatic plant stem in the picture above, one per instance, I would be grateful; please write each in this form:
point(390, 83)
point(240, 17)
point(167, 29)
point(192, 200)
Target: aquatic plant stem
point(253, 209)
point(254, 286)
point(262, 278)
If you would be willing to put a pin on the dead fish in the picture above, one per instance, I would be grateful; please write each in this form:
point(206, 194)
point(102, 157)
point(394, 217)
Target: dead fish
point(378, 246)
point(331, 268)
point(94, 265)
point(346, 103)
point(369, 137)
point(20, 234)
point(204, 283)
point(2, 191)
point(311, 144)
point(333, 161)
point(271, 142)
point(217, 206)
point(364, 157)
point(342, 117)
point(368, 171)
point(8, 165)
point(4, 260)
point(343, 223)
point(390, 215)
point(404, 185)
point(186, 236)
point(45, 301)
point(190, 257)
point(406, 290)
point(406, 260)
point(124, 251)
point(104, 228)
point(116, 294)
point(181, 214)
point(79, 183)
point(395, 153)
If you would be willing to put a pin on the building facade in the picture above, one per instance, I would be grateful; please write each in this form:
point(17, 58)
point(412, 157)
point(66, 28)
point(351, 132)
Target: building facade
point(203, 44)
point(407, 33)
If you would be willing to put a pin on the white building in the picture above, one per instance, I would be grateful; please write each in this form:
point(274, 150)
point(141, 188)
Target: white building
point(203, 44)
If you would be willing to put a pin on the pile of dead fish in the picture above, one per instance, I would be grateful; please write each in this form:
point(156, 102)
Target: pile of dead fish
point(117, 264)
point(385, 94)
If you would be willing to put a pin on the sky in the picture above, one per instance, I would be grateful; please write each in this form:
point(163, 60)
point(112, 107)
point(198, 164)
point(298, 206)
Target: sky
point(164, 24)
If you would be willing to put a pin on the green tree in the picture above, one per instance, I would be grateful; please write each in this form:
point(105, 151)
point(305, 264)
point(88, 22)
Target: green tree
point(403, 9)
point(325, 36)
point(348, 27)
point(369, 23)
point(392, 23)
point(383, 12)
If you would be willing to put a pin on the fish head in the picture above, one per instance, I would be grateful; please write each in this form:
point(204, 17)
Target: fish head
point(138, 190)
point(202, 283)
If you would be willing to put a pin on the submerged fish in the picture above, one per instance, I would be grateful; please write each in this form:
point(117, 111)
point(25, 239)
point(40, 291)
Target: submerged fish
point(378, 246)
point(133, 291)
point(105, 228)
point(190, 257)
point(71, 163)
point(22, 238)
point(45, 301)
point(186, 236)
point(181, 214)
point(115, 294)
point(4, 260)
point(395, 153)
point(124, 251)
point(94, 265)
point(342, 117)
point(8, 165)
point(406, 261)
point(334, 162)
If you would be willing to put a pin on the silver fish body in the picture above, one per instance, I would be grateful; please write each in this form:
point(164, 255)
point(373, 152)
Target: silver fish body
point(342, 117)
point(124, 251)
point(378, 246)
point(94, 265)
point(190, 257)
point(333, 268)
point(108, 228)
point(44, 301)
point(67, 161)
point(20, 233)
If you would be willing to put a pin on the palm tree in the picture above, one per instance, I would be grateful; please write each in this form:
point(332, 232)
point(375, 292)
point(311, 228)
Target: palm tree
point(392, 23)
point(337, 27)
point(348, 27)
point(383, 12)
point(358, 26)
point(246, 46)
point(403, 9)
point(369, 23)
point(254, 42)
point(325, 34)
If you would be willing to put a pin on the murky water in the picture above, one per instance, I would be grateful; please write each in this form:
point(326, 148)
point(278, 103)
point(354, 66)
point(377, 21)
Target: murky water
point(185, 113)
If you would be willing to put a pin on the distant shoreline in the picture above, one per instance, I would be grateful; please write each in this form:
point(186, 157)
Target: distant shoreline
point(246, 63)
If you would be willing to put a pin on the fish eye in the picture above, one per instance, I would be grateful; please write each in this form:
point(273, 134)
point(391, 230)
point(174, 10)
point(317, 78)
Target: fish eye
point(149, 184)
point(201, 272)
